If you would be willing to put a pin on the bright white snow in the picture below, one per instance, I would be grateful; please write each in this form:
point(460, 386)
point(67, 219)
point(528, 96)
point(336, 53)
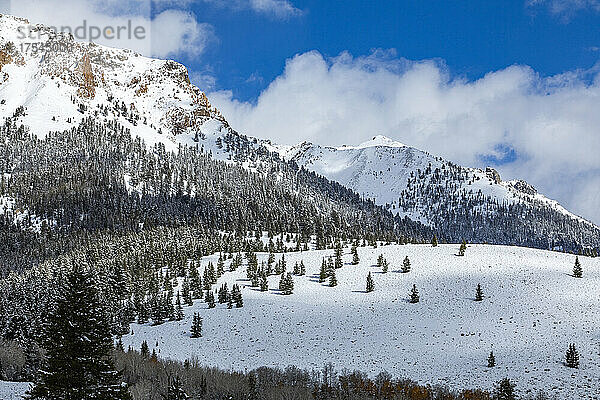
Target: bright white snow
point(532, 310)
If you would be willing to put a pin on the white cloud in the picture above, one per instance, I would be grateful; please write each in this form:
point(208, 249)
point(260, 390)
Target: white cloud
point(566, 8)
point(172, 32)
point(553, 124)
point(280, 9)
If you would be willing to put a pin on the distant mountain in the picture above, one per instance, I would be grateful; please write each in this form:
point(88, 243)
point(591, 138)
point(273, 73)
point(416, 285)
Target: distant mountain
point(456, 201)
point(115, 97)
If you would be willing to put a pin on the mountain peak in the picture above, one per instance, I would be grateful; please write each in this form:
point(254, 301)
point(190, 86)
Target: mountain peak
point(376, 141)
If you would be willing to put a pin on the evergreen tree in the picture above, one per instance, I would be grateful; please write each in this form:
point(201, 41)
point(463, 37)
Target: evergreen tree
point(286, 284)
point(338, 255)
point(236, 295)
point(355, 259)
point(406, 265)
point(572, 357)
point(504, 390)
point(323, 273)
point(296, 268)
point(195, 283)
point(370, 283)
point(332, 279)
point(414, 295)
point(434, 241)
point(478, 293)
point(223, 294)
point(302, 268)
point(185, 292)
point(491, 360)
point(78, 363)
point(210, 299)
point(178, 309)
point(220, 266)
point(264, 283)
point(196, 329)
point(462, 249)
point(577, 270)
point(145, 350)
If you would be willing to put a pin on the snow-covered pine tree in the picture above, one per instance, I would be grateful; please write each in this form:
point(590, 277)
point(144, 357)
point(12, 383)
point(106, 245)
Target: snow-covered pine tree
point(414, 295)
point(196, 329)
point(406, 265)
point(491, 360)
point(478, 293)
point(355, 259)
point(572, 356)
point(577, 269)
point(78, 344)
point(370, 283)
point(175, 390)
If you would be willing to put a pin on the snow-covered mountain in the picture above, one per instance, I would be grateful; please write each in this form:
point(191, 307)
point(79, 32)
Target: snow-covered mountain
point(48, 91)
point(413, 183)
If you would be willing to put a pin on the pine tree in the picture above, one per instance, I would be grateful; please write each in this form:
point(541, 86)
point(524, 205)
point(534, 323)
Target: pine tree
point(220, 266)
point(434, 241)
point(196, 329)
point(302, 268)
point(355, 259)
point(210, 299)
point(236, 296)
point(414, 295)
point(577, 270)
point(223, 294)
point(332, 279)
point(462, 249)
point(264, 283)
point(338, 255)
point(370, 283)
point(185, 292)
point(323, 273)
point(572, 357)
point(478, 293)
point(504, 390)
point(145, 350)
point(406, 265)
point(286, 284)
point(78, 363)
point(178, 309)
point(296, 268)
point(491, 360)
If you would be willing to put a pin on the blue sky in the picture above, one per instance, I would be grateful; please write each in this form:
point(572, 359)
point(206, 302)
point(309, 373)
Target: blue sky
point(472, 37)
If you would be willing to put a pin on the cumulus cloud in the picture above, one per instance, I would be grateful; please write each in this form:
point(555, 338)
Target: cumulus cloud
point(551, 124)
point(167, 32)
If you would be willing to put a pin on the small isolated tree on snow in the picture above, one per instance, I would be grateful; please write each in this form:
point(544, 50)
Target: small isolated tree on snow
point(462, 249)
point(572, 357)
point(414, 295)
point(196, 330)
point(406, 265)
point(370, 283)
point(323, 272)
point(434, 241)
point(577, 270)
point(478, 293)
point(491, 360)
point(355, 259)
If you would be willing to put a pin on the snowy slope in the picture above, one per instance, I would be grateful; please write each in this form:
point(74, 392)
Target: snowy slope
point(13, 390)
point(532, 309)
point(381, 169)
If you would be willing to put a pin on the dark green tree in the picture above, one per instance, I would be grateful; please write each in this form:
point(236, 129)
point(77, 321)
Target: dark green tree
point(572, 356)
point(414, 295)
point(406, 265)
point(478, 293)
point(370, 283)
point(577, 270)
point(196, 329)
point(434, 241)
point(491, 360)
point(504, 390)
point(355, 259)
point(78, 343)
point(323, 272)
point(462, 249)
point(332, 279)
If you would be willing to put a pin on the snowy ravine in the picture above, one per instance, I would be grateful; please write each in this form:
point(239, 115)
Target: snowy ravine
point(533, 308)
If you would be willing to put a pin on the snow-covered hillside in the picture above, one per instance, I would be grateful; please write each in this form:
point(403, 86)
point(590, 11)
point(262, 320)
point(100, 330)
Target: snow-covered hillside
point(382, 169)
point(532, 309)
